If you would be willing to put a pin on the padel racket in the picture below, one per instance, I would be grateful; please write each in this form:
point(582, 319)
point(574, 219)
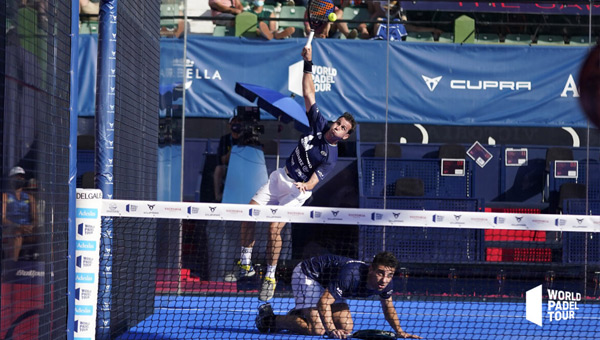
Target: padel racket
point(318, 15)
point(371, 334)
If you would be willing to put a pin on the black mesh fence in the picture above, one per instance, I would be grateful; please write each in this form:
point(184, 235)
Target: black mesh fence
point(34, 115)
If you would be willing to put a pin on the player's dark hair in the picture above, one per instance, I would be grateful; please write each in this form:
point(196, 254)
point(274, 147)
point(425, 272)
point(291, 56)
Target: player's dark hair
point(385, 259)
point(350, 118)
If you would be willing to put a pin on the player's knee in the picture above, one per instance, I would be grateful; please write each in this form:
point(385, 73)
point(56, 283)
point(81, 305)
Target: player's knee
point(317, 331)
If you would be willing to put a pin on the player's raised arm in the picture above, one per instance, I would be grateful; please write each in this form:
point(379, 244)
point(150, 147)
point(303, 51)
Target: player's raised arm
point(391, 316)
point(308, 87)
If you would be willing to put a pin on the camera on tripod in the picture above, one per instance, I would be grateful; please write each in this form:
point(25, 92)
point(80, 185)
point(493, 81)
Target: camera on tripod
point(249, 129)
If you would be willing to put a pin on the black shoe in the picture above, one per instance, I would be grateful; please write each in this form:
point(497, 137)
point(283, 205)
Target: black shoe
point(265, 321)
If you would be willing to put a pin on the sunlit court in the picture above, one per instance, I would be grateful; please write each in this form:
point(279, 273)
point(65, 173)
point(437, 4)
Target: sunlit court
point(265, 169)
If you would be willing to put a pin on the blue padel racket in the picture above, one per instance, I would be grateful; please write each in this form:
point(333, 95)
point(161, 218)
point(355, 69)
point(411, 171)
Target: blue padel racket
point(318, 15)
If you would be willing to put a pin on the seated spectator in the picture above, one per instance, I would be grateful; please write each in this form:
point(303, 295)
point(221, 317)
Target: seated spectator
point(225, 11)
point(88, 7)
point(268, 28)
point(18, 213)
point(379, 12)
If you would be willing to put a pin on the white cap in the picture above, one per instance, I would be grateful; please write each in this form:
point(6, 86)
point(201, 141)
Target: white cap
point(17, 170)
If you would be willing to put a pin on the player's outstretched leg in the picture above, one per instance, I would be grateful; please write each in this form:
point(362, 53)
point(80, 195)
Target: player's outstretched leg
point(265, 321)
point(267, 289)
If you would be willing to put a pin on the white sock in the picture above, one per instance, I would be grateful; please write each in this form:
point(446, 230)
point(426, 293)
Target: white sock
point(271, 271)
point(246, 256)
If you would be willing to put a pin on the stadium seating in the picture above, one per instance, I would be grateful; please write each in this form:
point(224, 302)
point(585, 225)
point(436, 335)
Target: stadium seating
point(517, 39)
point(166, 11)
point(222, 31)
point(292, 12)
point(246, 24)
point(420, 36)
point(487, 38)
point(550, 40)
point(580, 40)
point(88, 27)
point(464, 30)
point(358, 14)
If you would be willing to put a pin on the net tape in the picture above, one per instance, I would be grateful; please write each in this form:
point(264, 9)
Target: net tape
point(378, 217)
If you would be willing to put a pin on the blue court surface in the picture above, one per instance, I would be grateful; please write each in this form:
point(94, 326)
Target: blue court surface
point(232, 317)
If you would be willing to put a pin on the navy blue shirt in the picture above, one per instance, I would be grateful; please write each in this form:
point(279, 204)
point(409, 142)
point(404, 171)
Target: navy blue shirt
point(313, 153)
point(342, 276)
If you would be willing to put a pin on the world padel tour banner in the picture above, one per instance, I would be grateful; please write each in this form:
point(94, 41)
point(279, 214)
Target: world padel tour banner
point(429, 83)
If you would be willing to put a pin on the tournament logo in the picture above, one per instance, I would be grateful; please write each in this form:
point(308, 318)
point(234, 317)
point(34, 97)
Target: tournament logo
point(324, 77)
point(82, 294)
point(432, 83)
point(315, 214)
point(254, 212)
point(438, 218)
point(561, 305)
point(376, 216)
point(131, 208)
point(192, 210)
point(560, 222)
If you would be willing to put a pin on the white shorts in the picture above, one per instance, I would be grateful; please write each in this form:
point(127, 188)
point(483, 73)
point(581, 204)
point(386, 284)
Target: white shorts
point(307, 291)
point(280, 190)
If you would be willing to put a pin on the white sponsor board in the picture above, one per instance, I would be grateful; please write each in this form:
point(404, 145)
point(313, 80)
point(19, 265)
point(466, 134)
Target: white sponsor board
point(87, 256)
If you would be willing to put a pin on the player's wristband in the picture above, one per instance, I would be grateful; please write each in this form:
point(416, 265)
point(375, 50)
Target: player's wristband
point(308, 66)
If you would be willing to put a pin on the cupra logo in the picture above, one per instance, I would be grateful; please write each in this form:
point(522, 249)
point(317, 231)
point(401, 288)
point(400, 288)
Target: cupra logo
point(432, 83)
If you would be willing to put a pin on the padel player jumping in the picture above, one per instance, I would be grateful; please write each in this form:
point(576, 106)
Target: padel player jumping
point(313, 158)
point(321, 286)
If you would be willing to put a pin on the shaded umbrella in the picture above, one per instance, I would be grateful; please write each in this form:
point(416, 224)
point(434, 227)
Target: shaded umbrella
point(282, 107)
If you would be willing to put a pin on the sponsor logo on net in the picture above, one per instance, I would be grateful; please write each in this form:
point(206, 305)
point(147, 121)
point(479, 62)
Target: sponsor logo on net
point(561, 305)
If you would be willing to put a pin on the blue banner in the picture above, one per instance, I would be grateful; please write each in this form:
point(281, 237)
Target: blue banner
point(429, 83)
point(88, 61)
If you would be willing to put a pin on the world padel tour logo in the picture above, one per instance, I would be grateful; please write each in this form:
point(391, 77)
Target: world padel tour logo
point(323, 77)
point(561, 305)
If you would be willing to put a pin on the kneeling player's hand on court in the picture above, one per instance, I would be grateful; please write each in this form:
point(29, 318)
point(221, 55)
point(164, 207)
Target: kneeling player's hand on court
point(337, 334)
point(404, 335)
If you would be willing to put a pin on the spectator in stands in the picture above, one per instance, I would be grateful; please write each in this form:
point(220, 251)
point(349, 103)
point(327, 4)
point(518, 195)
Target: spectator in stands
point(18, 213)
point(268, 28)
point(311, 161)
point(321, 286)
point(225, 11)
point(89, 7)
point(379, 12)
point(226, 143)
